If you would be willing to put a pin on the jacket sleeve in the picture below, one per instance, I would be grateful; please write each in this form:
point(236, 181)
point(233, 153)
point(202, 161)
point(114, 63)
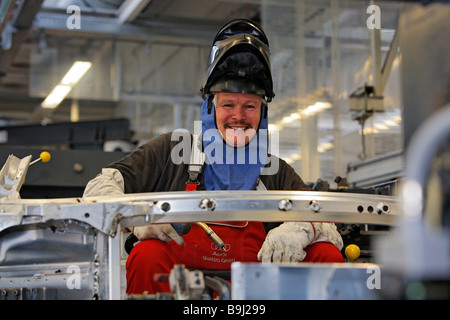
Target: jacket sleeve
point(142, 170)
point(108, 183)
point(142, 167)
point(284, 178)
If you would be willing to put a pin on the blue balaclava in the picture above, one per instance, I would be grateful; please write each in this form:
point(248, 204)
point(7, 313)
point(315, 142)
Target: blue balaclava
point(227, 167)
point(239, 63)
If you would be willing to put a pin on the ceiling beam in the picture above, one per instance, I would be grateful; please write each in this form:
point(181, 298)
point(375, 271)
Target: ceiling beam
point(130, 9)
point(6, 10)
point(24, 16)
point(100, 26)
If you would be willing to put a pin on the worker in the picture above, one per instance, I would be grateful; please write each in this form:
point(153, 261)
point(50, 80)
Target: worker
point(233, 116)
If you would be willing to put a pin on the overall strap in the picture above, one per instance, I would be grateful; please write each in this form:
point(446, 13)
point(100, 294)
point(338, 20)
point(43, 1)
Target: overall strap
point(195, 163)
point(197, 159)
point(260, 185)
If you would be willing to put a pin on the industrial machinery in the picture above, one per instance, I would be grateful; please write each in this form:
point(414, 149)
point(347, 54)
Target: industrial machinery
point(72, 248)
point(79, 150)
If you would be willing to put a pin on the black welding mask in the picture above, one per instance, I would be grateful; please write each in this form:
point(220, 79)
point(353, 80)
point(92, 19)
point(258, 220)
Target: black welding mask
point(239, 61)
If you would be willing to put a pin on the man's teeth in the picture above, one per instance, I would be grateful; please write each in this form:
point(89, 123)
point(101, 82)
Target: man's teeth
point(238, 128)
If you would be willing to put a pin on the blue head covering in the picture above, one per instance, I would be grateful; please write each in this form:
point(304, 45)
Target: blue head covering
point(227, 167)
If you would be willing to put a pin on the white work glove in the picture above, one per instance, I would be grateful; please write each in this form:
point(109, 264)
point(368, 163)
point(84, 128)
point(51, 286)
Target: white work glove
point(286, 243)
point(327, 232)
point(108, 183)
point(163, 232)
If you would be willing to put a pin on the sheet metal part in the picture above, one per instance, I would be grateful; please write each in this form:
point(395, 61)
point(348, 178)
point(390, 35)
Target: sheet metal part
point(324, 281)
point(87, 229)
point(106, 213)
point(69, 260)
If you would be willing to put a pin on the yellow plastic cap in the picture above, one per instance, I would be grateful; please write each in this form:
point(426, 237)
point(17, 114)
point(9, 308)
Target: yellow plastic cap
point(45, 156)
point(352, 252)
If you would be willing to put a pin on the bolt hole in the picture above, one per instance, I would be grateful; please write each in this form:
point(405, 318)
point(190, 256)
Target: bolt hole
point(360, 209)
point(86, 215)
point(165, 207)
point(370, 209)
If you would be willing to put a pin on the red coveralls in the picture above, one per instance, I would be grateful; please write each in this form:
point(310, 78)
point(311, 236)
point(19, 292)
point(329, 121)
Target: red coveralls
point(243, 241)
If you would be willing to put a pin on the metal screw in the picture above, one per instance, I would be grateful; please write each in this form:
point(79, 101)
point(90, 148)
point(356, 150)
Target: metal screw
point(382, 207)
point(285, 205)
point(208, 204)
point(315, 206)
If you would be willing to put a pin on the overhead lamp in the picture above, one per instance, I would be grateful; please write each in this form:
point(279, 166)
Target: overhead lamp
point(315, 108)
point(56, 96)
point(70, 79)
point(381, 126)
point(272, 127)
point(76, 72)
point(287, 119)
point(390, 123)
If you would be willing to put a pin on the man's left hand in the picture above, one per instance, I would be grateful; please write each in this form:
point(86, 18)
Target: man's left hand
point(286, 242)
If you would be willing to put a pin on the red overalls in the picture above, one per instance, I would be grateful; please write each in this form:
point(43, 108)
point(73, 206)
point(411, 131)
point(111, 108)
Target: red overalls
point(243, 241)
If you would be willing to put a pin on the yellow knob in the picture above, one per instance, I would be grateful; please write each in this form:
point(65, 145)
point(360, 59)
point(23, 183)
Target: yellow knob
point(45, 156)
point(352, 252)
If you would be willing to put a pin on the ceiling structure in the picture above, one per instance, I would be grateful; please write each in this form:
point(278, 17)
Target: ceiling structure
point(151, 58)
point(44, 22)
point(177, 22)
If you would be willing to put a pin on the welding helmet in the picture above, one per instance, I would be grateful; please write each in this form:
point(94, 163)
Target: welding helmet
point(239, 61)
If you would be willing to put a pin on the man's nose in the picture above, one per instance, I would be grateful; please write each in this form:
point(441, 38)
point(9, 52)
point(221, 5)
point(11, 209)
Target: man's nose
point(239, 113)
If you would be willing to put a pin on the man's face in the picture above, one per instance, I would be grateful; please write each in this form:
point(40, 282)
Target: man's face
point(237, 117)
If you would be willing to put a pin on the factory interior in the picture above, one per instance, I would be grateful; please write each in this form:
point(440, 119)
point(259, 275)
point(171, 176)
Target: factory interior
point(361, 112)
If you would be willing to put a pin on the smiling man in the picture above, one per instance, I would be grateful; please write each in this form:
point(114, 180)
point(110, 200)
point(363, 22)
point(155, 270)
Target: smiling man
point(234, 146)
point(235, 140)
point(237, 116)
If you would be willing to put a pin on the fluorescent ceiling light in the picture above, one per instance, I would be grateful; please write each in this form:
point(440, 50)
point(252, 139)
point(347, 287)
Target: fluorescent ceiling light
point(315, 108)
point(287, 119)
point(381, 126)
point(75, 73)
point(390, 123)
point(56, 96)
point(369, 130)
point(272, 127)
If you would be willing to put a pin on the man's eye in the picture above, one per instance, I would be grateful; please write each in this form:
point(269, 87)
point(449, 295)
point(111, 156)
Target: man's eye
point(250, 107)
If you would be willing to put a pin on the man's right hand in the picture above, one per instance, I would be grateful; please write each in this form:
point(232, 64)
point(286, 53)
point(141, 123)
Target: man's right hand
point(163, 232)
